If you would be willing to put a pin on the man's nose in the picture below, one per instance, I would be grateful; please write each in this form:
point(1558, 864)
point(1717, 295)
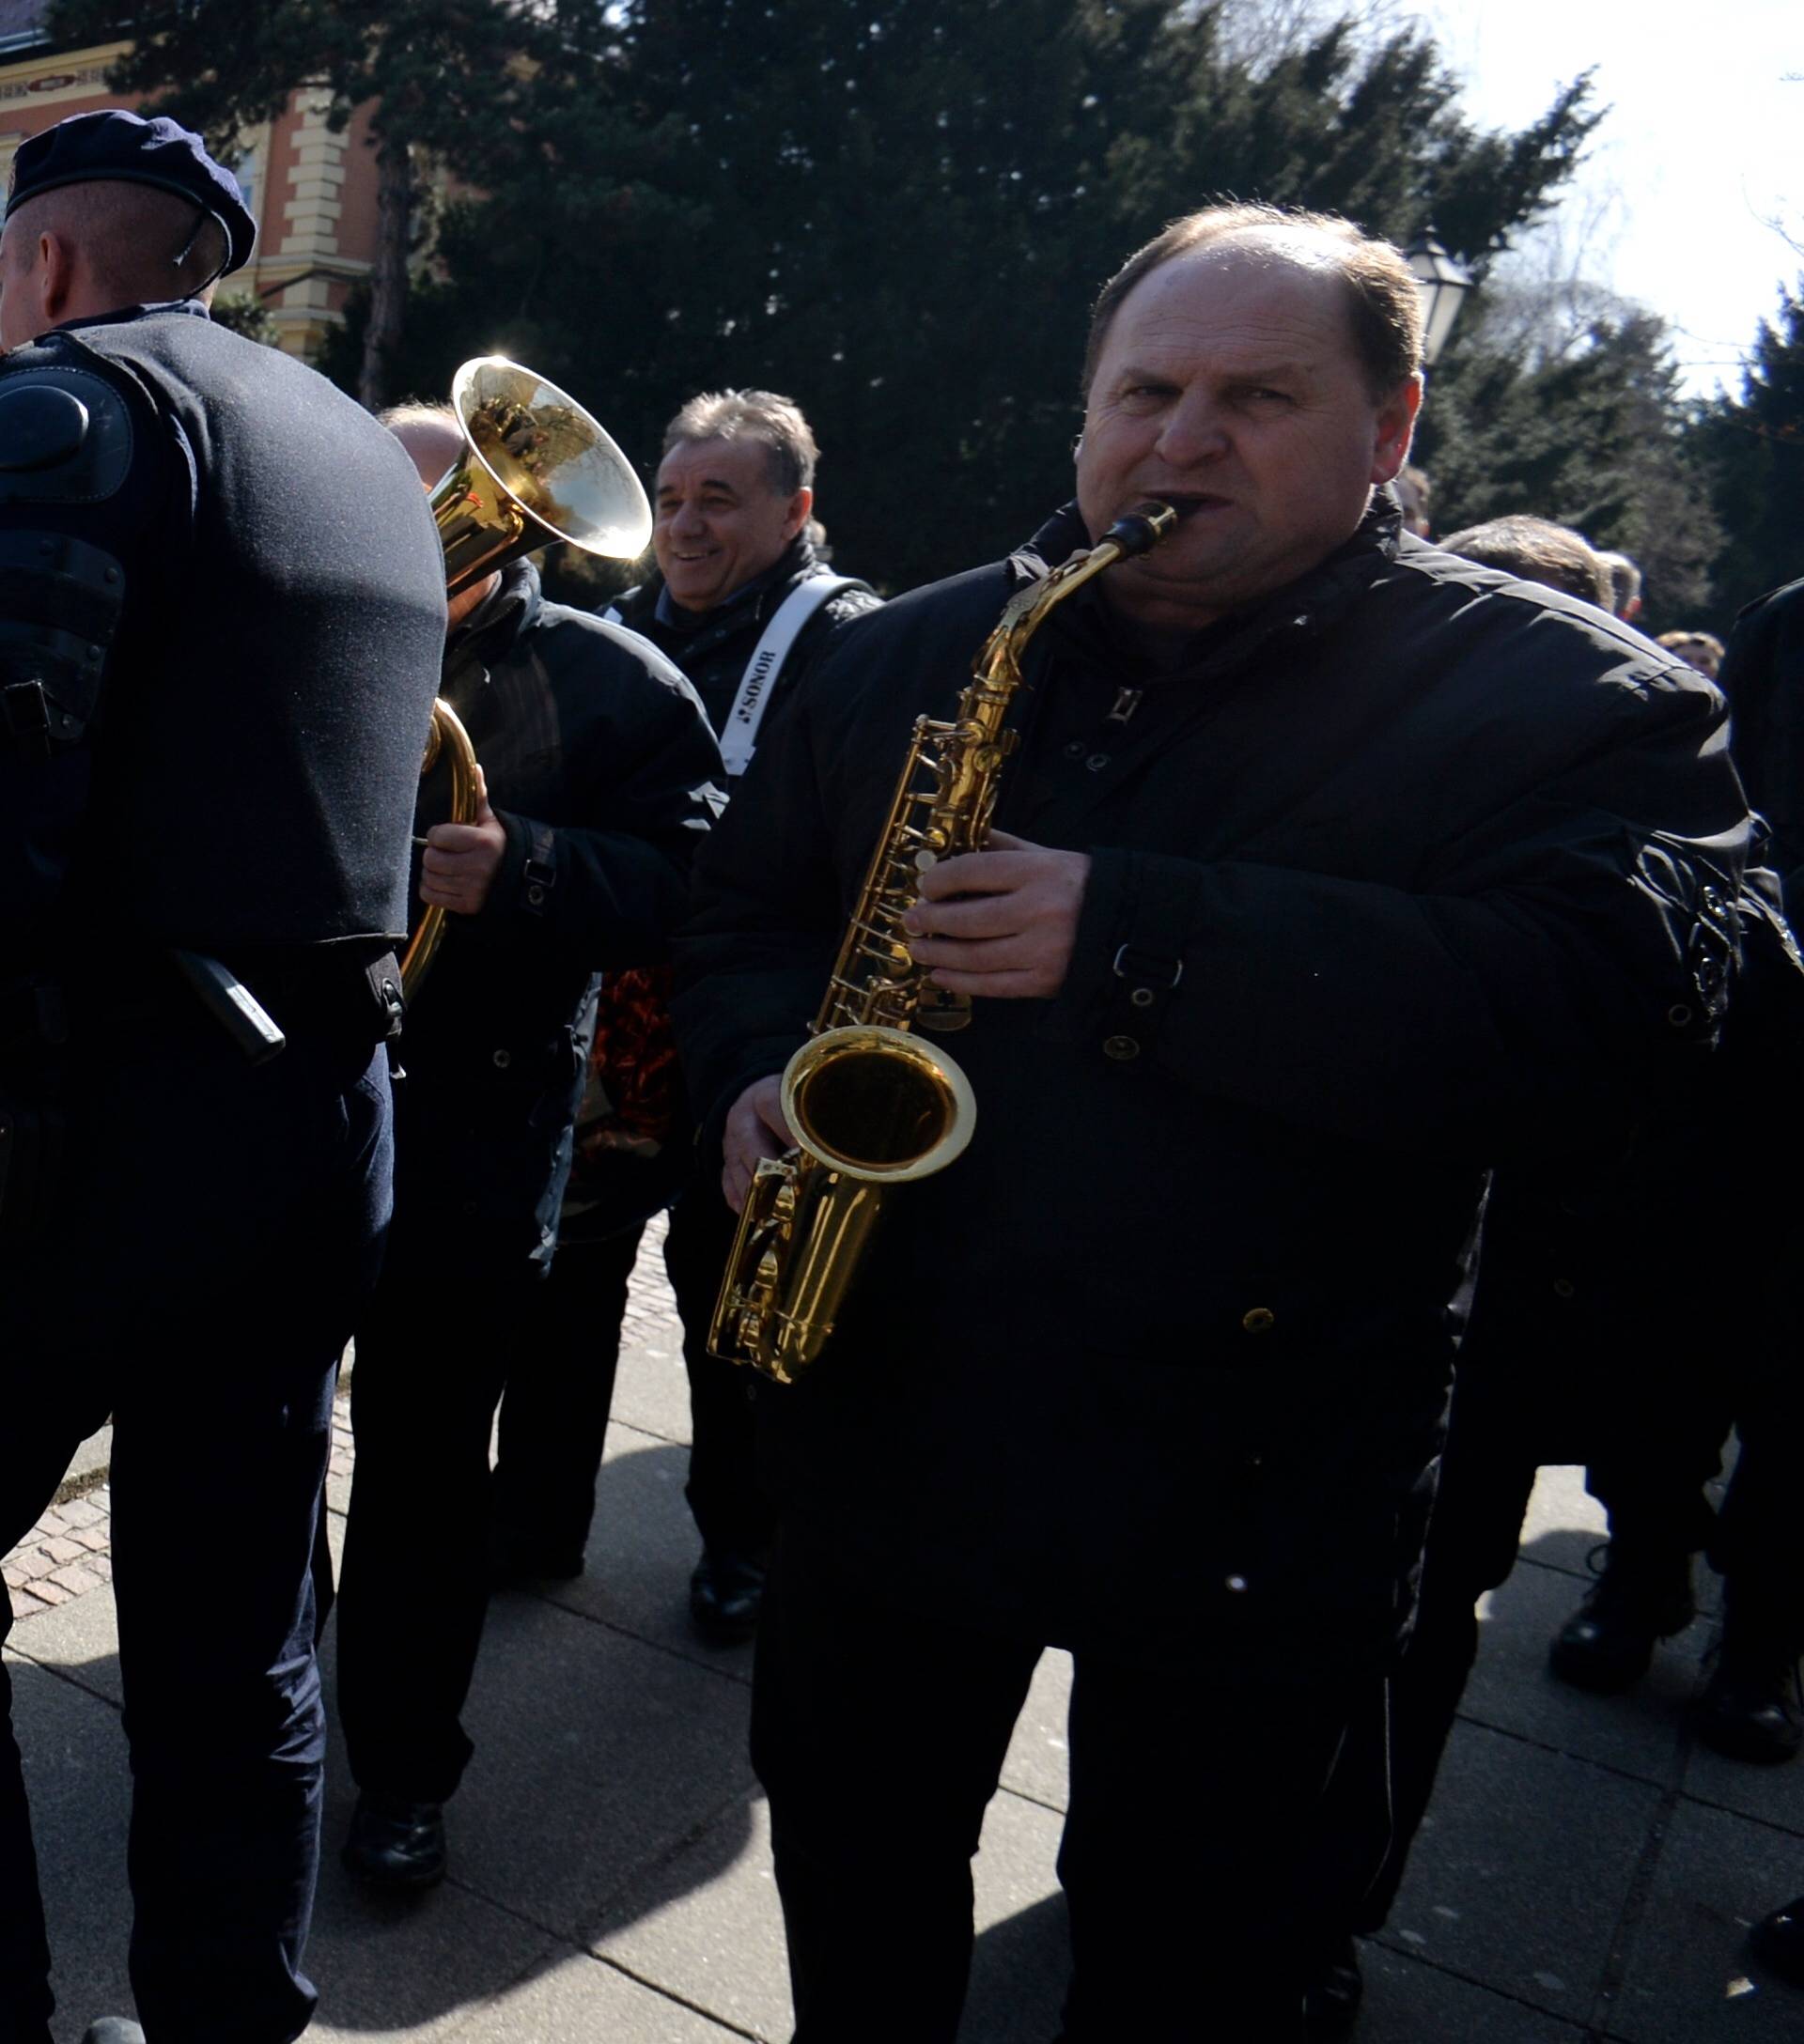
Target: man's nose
point(687, 520)
point(1195, 431)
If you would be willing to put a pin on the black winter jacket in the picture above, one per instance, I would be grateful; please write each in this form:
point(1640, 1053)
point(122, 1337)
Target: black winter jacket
point(605, 773)
point(714, 653)
point(1446, 862)
point(1762, 676)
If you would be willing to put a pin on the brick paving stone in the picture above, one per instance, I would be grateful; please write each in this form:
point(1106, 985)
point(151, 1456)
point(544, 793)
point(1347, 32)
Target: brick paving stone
point(31, 1562)
point(75, 1579)
point(61, 1550)
point(49, 1592)
point(78, 1511)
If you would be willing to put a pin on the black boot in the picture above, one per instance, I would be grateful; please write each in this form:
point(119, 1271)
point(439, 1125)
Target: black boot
point(1751, 1708)
point(1642, 1595)
point(395, 1844)
point(725, 1595)
point(1331, 2001)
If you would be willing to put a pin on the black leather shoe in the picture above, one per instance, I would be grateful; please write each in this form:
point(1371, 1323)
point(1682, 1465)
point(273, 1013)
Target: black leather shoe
point(1608, 1641)
point(114, 2030)
point(395, 1844)
point(725, 1595)
point(1331, 2001)
point(1751, 1708)
point(1778, 1942)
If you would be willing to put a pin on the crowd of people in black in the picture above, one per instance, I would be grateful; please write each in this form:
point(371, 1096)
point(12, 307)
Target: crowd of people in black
point(1377, 948)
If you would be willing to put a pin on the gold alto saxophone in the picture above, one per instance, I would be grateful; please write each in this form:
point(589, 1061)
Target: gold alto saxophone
point(870, 1104)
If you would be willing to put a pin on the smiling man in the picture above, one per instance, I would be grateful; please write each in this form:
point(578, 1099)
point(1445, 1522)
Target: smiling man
point(1335, 868)
point(743, 605)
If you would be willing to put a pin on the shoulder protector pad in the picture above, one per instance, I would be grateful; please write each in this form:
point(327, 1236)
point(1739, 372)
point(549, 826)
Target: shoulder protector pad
point(65, 436)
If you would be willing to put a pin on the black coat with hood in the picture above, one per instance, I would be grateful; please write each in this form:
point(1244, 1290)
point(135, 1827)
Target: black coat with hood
point(603, 771)
point(1447, 862)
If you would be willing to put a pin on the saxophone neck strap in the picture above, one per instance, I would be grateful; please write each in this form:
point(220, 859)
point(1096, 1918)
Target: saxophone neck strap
point(740, 734)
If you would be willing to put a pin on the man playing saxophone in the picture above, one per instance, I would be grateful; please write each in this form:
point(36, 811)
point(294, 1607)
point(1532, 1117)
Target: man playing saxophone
point(1328, 870)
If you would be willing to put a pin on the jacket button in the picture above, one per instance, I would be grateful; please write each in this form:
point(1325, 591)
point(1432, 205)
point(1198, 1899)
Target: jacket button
point(1097, 762)
point(536, 896)
point(1678, 1016)
point(1261, 1319)
point(1143, 996)
point(1237, 1584)
point(1121, 1048)
point(503, 1060)
point(1563, 1288)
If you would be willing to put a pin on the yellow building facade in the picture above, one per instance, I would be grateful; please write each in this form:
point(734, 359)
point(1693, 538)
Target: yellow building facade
point(312, 192)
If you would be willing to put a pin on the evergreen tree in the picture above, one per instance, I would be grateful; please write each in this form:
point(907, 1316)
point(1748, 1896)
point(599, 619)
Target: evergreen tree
point(1754, 446)
point(899, 214)
point(1593, 434)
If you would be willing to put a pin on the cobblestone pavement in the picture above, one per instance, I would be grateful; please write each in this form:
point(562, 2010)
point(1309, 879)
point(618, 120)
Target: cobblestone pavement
point(70, 1550)
point(66, 1553)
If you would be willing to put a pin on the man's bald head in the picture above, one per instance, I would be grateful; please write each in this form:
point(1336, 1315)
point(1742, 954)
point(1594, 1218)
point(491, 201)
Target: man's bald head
point(101, 246)
point(1383, 300)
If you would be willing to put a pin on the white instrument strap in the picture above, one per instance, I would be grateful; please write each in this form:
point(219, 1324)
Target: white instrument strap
point(612, 615)
point(740, 733)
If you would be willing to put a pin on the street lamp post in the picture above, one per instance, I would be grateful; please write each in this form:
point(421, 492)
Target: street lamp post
point(1443, 285)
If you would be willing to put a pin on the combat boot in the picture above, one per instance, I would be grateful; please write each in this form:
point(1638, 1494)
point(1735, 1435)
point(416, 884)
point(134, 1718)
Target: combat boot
point(1642, 1595)
point(1753, 1708)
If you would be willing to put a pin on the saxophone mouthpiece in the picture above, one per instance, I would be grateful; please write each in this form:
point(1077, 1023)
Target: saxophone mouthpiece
point(1143, 527)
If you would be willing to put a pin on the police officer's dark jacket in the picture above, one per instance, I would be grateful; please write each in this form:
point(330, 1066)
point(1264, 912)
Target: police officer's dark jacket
point(214, 707)
point(601, 769)
point(713, 650)
point(1408, 867)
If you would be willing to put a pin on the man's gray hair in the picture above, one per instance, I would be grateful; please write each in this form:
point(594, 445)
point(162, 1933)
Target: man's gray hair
point(1537, 550)
point(765, 416)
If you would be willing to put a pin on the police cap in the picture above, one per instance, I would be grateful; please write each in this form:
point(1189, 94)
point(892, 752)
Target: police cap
point(114, 144)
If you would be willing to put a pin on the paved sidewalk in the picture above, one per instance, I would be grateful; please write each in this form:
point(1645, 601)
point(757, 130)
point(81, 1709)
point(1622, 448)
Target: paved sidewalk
point(1588, 1874)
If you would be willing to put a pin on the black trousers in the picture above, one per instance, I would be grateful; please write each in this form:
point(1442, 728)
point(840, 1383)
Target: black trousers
point(1520, 1403)
point(1217, 1824)
point(554, 1416)
point(433, 1352)
point(225, 1224)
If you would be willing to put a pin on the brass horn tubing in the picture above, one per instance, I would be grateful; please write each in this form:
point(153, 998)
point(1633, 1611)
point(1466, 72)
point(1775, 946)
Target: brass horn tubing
point(446, 733)
point(481, 527)
point(887, 1045)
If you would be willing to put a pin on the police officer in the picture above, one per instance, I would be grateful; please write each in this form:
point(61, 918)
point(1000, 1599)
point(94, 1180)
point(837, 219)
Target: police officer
point(743, 604)
point(213, 704)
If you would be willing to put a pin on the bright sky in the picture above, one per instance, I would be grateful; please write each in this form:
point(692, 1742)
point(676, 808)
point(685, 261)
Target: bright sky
point(1704, 144)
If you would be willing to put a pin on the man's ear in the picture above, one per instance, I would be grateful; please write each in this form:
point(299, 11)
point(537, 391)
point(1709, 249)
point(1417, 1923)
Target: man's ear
point(1396, 424)
point(53, 279)
point(796, 516)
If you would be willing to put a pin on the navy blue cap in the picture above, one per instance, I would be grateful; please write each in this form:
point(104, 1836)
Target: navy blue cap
point(116, 144)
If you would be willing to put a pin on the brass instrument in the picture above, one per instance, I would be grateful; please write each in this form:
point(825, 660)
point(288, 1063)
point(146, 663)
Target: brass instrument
point(536, 469)
point(872, 1105)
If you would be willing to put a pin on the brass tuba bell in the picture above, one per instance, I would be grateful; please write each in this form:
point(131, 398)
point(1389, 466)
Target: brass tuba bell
point(536, 469)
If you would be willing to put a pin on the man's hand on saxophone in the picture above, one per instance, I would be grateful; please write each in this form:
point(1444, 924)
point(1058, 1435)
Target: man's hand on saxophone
point(754, 1129)
point(1000, 922)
